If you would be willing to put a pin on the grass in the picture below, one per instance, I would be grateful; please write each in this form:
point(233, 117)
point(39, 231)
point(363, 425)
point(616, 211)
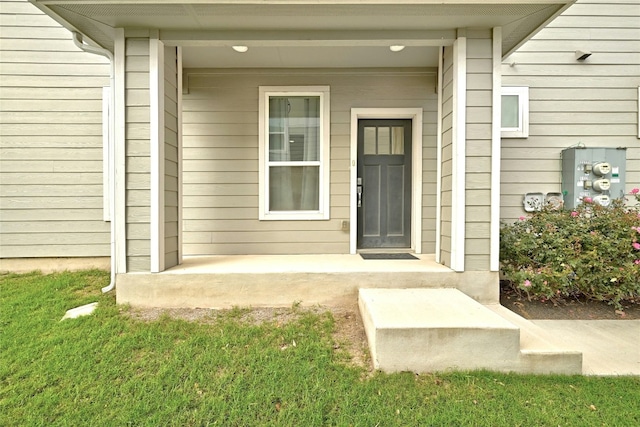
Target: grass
point(111, 369)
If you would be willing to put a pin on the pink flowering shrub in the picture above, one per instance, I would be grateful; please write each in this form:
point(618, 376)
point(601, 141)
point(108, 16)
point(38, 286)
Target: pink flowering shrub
point(591, 251)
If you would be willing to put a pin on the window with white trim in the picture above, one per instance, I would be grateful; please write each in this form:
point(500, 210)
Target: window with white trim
point(515, 112)
point(294, 153)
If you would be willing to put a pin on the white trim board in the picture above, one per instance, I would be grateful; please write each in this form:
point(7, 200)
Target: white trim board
point(439, 158)
point(180, 166)
point(415, 114)
point(156, 126)
point(494, 253)
point(459, 136)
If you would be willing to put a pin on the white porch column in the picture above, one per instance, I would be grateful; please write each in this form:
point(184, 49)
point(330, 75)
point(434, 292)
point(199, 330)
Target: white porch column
point(459, 135)
point(496, 106)
point(156, 100)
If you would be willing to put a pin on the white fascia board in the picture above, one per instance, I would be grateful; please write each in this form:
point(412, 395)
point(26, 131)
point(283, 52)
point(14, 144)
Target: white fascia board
point(309, 38)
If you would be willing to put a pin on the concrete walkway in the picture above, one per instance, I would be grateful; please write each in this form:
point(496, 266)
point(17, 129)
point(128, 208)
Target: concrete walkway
point(609, 347)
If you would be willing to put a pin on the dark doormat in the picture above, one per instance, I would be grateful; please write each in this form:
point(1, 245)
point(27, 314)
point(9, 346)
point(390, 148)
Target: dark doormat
point(399, 255)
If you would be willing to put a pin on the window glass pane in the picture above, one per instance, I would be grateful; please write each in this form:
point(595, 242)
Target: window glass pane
point(369, 140)
point(510, 111)
point(277, 112)
point(384, 140)
point(294, 188)
point(397, 140)
point(297, 119)
point(276, 147)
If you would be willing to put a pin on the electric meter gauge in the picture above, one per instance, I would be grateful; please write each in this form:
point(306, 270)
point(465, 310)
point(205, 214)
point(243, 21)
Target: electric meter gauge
point(601, 169)
point(601, 185)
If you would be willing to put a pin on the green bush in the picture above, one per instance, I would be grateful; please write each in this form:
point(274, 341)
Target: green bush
point(591, 251)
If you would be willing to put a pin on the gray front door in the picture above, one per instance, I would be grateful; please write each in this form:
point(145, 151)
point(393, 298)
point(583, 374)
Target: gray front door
point(384, 184)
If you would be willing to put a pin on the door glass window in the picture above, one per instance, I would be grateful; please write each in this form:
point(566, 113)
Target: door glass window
point(370, 140)
point(384, 140)
point(397, 140)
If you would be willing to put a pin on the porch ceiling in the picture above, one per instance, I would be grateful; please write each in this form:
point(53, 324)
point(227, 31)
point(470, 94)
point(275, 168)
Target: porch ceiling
point(342, 33)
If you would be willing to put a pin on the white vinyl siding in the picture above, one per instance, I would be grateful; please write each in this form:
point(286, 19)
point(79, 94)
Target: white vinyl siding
point(478, 150)
point(220, 115)
point(447, 155)
point(51, 177)
point(171, 150)
point(137, 135)
point(591, 102)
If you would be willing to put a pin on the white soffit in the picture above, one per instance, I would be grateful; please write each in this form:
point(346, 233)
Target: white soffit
point(97, 19)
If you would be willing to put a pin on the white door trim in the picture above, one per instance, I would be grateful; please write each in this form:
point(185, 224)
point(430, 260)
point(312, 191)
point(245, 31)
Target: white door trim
point(415, 115)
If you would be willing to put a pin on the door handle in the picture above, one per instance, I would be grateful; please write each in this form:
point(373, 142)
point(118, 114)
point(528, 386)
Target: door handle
point(359, 191)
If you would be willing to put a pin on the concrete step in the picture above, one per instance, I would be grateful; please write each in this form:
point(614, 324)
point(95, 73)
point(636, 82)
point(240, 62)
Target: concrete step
point(541, 352)
point(426, 330)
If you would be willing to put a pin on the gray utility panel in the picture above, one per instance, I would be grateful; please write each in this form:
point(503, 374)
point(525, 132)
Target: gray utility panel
point(598, 173)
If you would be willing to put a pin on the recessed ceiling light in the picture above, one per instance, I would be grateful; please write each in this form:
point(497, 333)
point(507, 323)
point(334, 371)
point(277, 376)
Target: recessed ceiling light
point(240, 48)
point(396, 47)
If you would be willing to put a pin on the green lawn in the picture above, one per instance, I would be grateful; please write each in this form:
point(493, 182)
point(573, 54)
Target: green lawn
point(111, 369)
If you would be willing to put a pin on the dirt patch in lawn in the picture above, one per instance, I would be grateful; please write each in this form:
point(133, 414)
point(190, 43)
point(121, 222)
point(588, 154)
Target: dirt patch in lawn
point(349, 338)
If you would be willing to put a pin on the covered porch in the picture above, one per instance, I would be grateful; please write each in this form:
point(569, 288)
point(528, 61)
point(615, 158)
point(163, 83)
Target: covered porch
point(198, 158)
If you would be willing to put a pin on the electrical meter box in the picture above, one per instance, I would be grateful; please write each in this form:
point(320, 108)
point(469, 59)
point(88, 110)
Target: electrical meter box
point(596, 173)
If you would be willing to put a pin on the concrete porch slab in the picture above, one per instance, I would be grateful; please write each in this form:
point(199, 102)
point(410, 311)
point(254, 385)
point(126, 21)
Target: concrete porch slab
point(281, 280)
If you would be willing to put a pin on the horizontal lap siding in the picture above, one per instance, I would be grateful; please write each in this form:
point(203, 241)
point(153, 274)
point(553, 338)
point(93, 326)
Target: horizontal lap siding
point(447, 155)
point(220, 116)
point(478, 150)
point(51, 195)
point(592, 102)
point(171, 157)
point(138, 155)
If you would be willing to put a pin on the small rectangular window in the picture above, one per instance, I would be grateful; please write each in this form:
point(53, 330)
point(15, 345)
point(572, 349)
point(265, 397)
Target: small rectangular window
point(294, 153)
point(515, 112)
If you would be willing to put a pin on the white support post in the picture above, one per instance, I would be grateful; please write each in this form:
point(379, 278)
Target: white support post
point(496, 109)
point(439, 157)
point(459, 135)
point(179, 95)
point(156, 100)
